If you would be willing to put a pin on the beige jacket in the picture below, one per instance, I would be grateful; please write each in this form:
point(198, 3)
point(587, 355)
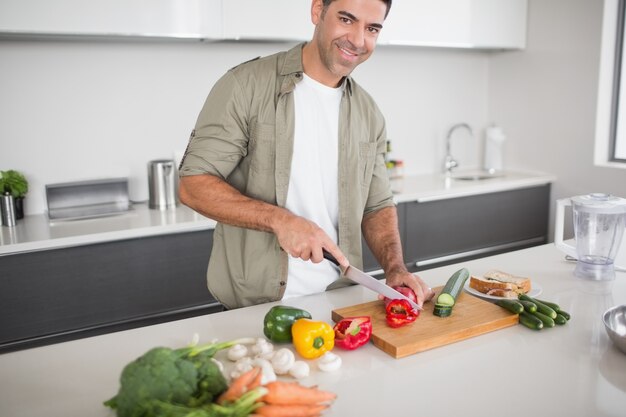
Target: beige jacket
point(244, 135)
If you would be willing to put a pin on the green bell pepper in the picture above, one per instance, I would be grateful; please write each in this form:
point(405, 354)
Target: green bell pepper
point(278, 321)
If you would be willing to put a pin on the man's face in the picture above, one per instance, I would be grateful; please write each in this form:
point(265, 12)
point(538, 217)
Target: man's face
point(346, 32)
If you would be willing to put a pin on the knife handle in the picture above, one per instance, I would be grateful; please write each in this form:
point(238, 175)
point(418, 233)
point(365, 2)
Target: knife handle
point(327, 255)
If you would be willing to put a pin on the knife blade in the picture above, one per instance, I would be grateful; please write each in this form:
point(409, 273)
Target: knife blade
point(370, 282)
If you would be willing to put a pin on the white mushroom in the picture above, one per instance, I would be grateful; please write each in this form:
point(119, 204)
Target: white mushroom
point(242, 366)
point(329, 362)
point(262, 347)
point(267, 372)
point(237, 352)
point(299, 370)
point(283, 360)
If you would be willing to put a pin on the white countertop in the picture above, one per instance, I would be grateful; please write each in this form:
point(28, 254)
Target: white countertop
point(37, 232)
point(572, 370)
point(424, 188)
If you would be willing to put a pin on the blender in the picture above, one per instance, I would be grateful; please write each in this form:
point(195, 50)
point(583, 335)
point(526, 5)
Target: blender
point(599, 222)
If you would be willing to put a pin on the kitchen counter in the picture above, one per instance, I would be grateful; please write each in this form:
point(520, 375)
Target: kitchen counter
point(571, 370)
point(37, 232)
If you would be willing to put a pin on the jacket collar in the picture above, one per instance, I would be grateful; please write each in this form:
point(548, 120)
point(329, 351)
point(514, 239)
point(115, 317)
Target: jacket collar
point(293, 65)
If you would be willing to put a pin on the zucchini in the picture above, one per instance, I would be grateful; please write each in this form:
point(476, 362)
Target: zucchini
point(553, 306)
point(541, 307)
point(453, 287)
point(530, 321)
point(447, 298)
point(513, 306)
point(442, 310)
point(564, 314)
point(560, 319)
point(529, 306)
point(547, 321)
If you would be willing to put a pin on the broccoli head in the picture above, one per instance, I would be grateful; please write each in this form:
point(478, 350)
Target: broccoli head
point(159, 374)
point(166, 378)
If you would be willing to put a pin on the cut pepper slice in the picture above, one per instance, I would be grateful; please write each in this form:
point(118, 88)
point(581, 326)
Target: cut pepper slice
point(400, 313)
point(353, 332)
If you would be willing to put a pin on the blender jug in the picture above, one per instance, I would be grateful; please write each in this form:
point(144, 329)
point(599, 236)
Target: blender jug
point(599, 221)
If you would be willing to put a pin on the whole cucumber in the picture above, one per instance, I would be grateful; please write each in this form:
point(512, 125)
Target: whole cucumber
point(530, 321)
point(560, 319)
point(541, 307)
point(512, 305)
point(564, 314)
point(553, 306)
point(547, 321)
point(529, 306)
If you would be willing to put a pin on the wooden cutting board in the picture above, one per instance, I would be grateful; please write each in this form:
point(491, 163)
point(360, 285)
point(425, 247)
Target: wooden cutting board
point(470, 317)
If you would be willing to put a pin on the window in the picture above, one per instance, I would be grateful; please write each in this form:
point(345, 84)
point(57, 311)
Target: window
point(611, 113)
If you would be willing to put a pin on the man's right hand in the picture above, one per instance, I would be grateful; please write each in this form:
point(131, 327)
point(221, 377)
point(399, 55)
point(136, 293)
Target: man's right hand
point(301, 238)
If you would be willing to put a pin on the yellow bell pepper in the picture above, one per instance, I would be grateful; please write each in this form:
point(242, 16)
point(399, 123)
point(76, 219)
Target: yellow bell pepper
point(312, 338)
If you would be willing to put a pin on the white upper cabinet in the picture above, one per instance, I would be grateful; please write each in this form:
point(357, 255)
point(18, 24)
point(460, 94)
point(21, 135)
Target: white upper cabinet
point(488, 24)
point(267, 19)
point(158, 18)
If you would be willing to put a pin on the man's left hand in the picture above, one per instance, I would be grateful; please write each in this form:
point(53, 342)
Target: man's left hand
point(404, 278)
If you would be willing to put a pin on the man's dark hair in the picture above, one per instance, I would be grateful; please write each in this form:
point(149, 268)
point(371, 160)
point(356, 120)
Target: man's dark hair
point(387, 3)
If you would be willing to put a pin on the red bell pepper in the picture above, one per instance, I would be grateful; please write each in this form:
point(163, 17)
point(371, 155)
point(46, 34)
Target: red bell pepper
point(353, 332)
point(400, 313)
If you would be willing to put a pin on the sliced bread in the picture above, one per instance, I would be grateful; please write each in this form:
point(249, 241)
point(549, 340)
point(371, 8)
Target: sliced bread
point(501, 281)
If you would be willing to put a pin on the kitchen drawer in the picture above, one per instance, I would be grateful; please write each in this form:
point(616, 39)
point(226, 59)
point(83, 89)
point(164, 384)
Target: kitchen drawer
point(61, 294)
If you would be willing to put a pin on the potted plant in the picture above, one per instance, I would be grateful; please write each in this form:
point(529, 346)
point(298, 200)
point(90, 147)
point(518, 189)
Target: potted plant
point(14, 183)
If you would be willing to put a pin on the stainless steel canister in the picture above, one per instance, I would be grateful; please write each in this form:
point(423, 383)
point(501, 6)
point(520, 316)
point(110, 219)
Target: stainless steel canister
point(162, 184)
point(7, 209)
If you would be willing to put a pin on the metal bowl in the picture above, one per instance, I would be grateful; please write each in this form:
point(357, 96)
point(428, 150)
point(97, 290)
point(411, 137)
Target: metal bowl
point(615, 323)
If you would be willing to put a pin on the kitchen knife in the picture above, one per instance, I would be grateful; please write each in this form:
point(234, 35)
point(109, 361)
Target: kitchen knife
point(370, 282)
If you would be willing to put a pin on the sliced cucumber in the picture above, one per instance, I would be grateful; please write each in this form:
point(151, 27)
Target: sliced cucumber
point(447, 298)
point(512, 305)
point(442, 310)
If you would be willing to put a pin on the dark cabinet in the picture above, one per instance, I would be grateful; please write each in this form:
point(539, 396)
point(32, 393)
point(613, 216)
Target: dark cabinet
point(445, 231)
point(370, 264)
point(62, 294)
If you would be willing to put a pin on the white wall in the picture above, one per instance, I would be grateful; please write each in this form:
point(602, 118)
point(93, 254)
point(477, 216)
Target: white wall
point(545, 97)
point(77, 110)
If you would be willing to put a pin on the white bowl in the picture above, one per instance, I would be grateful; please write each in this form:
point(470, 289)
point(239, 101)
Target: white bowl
point(615, 323)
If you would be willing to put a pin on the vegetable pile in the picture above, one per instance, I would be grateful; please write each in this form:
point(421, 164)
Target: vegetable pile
point(188, 382)
point(534, 313)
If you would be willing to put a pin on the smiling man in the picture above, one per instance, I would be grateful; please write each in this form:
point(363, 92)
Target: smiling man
point(288, 156)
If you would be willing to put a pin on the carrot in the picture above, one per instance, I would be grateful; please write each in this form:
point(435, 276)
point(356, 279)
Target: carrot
point(292, 393)
point(239, 386)
point(293, 410)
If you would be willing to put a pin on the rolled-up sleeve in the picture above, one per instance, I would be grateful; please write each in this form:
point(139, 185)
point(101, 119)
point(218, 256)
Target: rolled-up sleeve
point(220, 138)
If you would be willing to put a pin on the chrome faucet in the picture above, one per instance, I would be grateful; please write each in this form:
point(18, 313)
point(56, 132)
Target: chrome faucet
point(450, 163)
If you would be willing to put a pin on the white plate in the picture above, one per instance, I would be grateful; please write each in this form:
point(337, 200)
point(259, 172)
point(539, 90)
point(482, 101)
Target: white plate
point(534, 292)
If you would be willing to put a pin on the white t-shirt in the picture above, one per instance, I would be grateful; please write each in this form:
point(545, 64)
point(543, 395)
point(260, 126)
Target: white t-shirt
point(313, 190)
